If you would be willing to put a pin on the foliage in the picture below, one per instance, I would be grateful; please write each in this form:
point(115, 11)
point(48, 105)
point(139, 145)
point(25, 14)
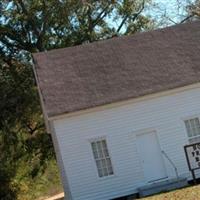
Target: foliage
point(45, 184)
point(194, 9)
point(39, 25)
point(29, 26)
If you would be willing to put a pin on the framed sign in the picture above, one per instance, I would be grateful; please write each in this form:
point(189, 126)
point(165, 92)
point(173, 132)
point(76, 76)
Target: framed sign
point(192, 152)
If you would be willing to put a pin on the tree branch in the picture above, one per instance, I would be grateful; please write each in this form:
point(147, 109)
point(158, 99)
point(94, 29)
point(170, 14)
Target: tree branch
point(134, 18)
point(39, 43)
point(122, 23)
point(187, 18)
point(30, 20)
point(101, 15)
point(32, 130)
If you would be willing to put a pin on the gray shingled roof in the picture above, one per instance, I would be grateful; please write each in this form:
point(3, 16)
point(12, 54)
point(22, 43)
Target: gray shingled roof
point(81, 77)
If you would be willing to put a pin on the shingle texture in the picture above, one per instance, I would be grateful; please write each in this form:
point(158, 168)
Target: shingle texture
point(81, 77)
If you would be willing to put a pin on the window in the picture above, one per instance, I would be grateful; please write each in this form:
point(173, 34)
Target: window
point(102, 158)
point(193, 129)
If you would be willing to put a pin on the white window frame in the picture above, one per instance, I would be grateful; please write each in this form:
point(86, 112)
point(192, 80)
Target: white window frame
point(190, 138)
point(104, 157)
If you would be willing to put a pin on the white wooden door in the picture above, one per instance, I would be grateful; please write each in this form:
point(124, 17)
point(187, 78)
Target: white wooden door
point(151, 157)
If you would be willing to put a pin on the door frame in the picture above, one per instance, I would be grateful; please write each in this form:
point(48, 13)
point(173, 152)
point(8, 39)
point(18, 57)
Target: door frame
point(143, 132)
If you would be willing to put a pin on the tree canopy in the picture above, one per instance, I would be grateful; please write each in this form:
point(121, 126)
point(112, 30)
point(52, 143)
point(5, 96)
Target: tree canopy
point(29, 26)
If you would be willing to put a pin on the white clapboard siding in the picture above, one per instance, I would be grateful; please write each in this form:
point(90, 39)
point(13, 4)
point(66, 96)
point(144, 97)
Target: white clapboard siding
point(120, 125)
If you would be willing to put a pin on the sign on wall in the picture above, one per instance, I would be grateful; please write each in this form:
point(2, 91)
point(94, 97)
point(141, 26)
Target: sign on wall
point(193, 156)
point(192, 153)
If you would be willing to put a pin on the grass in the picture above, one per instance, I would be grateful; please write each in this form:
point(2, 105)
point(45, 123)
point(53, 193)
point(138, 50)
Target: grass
point(188, 193)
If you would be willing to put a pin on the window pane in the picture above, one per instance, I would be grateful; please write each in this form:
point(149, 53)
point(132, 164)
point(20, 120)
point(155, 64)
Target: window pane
point(104, 146)
point(94, 148)
point(190, 133)
point(188, 128)
point(106, 154)
point(105, 172)
point(193, 128)
point(110, 170)
point(194, 132)
point(196, 121)
point(95, 154)
point(100, 152)
point(100, 172)
point(192, 123)
point(104, 163)
point(108, 162)
point(197, 126)
point(99, 164)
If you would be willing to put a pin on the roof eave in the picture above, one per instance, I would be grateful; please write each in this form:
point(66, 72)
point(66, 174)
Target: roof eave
point(125, 102)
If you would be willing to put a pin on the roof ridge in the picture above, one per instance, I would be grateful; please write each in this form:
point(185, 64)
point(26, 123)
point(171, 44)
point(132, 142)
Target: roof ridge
point(137, 34)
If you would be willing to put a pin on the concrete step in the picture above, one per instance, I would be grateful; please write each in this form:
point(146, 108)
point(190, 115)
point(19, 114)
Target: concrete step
point(162, 186)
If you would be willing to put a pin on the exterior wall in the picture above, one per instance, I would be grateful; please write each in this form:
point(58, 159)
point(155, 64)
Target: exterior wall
point(64, 178)
point(120, 125)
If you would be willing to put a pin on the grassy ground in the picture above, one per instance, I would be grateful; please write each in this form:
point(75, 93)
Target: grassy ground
point(188, 193)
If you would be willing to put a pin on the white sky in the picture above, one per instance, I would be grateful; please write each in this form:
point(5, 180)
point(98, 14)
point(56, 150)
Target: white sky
point(174, 9)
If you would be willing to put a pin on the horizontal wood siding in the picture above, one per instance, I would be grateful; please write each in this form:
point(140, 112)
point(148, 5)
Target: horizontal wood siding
point(120, 125)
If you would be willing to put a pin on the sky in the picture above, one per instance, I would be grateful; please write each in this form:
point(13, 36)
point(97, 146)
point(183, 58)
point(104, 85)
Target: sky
point(174, 9)
point(164, 12)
